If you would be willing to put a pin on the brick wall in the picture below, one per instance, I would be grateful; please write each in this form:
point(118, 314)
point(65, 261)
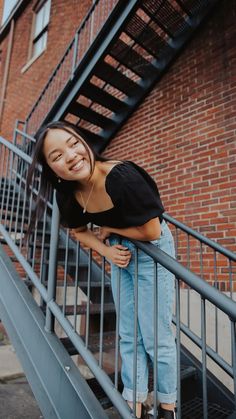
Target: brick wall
point(184, 132)
point(23, 89)
point(1, 9)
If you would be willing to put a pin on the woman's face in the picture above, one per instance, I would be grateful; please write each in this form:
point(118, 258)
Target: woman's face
point(66, 155)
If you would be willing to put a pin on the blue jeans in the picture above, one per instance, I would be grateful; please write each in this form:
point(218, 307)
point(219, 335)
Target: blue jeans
point(166, 348)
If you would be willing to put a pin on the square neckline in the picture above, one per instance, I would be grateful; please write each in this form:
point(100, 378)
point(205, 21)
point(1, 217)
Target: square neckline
point(109, 209)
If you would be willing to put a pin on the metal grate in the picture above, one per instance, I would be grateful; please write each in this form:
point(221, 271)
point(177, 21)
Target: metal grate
point(166, 16)
point(193, 6)
point(145, 36)
point(193, 409)
point(127, 56)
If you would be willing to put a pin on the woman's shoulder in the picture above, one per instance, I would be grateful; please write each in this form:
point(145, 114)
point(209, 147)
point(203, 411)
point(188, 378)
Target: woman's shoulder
point(128, 171)
point(107, 166)
point(127, 175)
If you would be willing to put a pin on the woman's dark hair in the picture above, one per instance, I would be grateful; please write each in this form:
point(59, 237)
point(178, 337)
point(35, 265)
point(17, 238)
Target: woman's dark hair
point(49, 179)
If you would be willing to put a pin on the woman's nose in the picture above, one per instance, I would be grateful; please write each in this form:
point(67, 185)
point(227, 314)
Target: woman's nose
point(70, 155)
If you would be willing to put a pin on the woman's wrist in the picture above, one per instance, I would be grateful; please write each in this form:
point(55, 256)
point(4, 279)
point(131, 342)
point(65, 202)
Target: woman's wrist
point(104, 250)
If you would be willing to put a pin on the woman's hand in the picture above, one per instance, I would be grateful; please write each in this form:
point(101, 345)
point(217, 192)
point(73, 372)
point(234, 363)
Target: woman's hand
point(119, 255)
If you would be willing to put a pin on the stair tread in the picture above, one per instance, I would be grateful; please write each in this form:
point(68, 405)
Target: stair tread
point(93, 308)
point(93, 344)
point(114, 77)
point(90, 115)
point(84, 284)
point(130, 58)
point(146, 37)
point(103, 98)
point(194, 408)
point(166, 16)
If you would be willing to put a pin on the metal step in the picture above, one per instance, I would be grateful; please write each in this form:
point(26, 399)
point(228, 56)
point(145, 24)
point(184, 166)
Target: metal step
point(114, 77)
point(84, 284)
point(103, 98)
point(94, 343)
point(127, 56)
point(147, 37)
point(105, 402)
point(166, 16)
point(193, 409)
point(93, 309)
point(90, 115)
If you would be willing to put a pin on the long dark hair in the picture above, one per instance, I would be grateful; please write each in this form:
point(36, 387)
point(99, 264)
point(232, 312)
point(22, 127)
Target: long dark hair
point(49, 180)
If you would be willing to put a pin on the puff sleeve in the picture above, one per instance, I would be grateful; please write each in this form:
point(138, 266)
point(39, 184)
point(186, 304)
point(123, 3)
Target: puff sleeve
point(135, 192)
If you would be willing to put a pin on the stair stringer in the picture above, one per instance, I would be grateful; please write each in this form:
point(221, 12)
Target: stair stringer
point(57, 384)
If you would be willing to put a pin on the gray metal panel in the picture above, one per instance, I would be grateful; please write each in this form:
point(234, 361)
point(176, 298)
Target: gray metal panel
point(57, 384)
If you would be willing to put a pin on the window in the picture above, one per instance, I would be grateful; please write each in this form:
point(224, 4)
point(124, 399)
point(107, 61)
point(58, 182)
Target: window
point(40, 27)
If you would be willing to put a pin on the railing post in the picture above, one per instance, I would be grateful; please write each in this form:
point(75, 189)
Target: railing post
point(74, 59)
point(52, 271)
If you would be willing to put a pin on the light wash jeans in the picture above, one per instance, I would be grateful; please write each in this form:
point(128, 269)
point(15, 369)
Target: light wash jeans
point(166, 348)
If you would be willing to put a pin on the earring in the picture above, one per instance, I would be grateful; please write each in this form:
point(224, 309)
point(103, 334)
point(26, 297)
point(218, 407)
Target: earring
point(59, 180)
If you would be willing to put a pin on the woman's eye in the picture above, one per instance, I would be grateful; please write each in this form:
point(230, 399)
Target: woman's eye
point(74, 143)
point(57, 157)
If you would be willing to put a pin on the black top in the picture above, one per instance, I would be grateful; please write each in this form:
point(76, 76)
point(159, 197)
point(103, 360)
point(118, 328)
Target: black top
point(133, 192)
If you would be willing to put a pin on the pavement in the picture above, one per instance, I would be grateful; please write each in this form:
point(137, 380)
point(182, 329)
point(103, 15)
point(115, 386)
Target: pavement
point(16, 398)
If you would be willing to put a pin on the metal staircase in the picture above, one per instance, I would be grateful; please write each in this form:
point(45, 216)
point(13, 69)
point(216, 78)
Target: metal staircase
point(133, 50)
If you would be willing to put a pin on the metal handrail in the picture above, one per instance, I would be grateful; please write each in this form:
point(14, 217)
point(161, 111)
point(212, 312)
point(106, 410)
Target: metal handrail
point(198, 284)
point(16, 150)
point(200, 237)
point(73, 44)
point(63, 57)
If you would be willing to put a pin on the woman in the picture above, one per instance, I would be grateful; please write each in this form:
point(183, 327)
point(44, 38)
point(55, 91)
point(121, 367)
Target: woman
point(123, 199)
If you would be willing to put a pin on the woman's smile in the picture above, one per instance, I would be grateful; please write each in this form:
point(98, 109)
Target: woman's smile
point(76, 167)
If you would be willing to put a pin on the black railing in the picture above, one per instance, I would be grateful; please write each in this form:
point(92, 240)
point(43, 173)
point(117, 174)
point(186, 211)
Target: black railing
point(64, 71)
point(209, 259)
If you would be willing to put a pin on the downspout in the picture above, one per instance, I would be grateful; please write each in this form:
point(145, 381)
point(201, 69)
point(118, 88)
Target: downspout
point(6, 69)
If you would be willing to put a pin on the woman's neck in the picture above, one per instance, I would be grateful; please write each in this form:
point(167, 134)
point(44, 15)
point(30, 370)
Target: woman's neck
point(95, 180)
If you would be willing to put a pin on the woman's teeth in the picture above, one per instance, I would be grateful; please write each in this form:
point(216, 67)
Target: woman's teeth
point(77, 166)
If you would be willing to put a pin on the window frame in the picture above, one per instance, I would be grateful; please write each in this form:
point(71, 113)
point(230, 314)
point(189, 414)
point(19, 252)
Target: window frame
point(33, 39)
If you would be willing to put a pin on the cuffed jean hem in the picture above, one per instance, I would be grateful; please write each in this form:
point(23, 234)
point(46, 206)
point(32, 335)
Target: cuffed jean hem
point(129, 395)
point(166, 398)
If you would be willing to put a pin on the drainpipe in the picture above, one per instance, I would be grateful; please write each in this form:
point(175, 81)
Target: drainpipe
point(6, 69)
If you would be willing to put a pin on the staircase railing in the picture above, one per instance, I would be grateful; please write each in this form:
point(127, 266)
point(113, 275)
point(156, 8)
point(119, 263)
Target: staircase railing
point(64, 71)
point(46, 259)
point(209, 259)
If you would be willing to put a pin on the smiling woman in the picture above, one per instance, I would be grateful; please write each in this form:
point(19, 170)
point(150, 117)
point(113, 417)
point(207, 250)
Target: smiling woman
point(123, 200)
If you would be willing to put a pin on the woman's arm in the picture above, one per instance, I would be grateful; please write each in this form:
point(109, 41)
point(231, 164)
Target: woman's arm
point(117, 254)
point(148, 231)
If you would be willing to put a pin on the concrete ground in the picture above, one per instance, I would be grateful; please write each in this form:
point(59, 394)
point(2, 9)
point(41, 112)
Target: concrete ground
point(16, 398)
